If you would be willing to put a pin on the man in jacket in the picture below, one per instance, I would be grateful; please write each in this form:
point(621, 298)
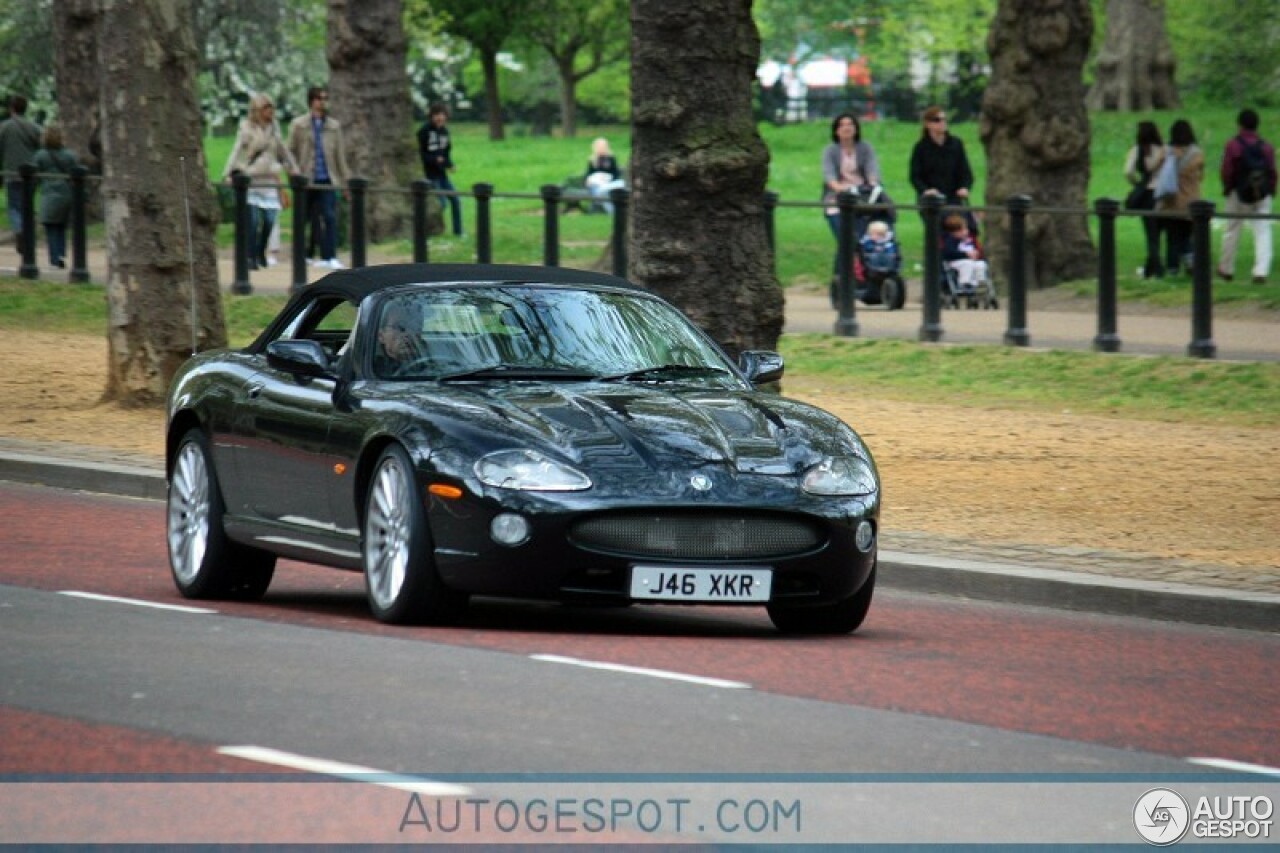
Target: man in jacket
point(436, 151)
point(19, 140)
point(1235, 166)
point(315, 141)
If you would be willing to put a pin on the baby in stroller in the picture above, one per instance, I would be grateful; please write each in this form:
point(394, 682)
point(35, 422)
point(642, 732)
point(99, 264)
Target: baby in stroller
point(877, 261)
point(878, 268)
point(966, 275)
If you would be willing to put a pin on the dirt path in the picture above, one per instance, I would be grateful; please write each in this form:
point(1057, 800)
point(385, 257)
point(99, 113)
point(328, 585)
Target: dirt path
point(1201, 493)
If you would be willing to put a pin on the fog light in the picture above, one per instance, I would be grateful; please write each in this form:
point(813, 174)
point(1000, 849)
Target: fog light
point(865, 536)
point(509, 529)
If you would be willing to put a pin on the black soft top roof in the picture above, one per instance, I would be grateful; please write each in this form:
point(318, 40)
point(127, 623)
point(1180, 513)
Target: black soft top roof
point(355, 284)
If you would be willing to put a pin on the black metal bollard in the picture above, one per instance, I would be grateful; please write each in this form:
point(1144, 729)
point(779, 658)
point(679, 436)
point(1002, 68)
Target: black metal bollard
point(1017, 334)
point(621, 198)
point(771, 227)
point(846, 319)
point(298, 184)
point(359, 188)
point(931, 322)
point(484, 223)
point(550, 225)
point(79, 244)
point(27, 239)
point(1202, 345)
point(419, 189)
point(240, 283)
point(1106, 340)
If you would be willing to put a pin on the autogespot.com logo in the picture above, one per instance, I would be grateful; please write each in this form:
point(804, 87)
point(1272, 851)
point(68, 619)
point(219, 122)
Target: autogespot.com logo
point(1161, 816)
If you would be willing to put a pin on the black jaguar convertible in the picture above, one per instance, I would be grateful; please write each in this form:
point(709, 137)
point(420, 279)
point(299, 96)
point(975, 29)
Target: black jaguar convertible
point(514, 431)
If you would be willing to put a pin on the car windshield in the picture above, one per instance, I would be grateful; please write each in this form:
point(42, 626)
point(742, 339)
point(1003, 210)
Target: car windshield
point(539, 332)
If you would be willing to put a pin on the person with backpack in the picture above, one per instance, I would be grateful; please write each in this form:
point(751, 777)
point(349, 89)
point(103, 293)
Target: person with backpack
point(1249, 183)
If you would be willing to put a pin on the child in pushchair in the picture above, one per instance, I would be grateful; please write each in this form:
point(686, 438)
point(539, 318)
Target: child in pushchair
point(878, 267)
point(877, 263)
point(965, 274)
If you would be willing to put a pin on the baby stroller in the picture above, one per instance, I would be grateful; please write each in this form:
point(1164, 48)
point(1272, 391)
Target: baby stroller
point(966, 276)
point(877, 261)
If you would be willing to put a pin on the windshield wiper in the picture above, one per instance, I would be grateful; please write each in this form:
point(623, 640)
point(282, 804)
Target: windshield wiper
point(503, 370)
point(664, 371)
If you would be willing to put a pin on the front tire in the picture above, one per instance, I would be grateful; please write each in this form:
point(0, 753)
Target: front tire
point(204, 562)
point(401, 581)
point(843, 617)
point(893, 292)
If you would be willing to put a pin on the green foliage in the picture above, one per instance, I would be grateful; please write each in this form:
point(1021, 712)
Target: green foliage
point(26, 54)
point(1228, 51)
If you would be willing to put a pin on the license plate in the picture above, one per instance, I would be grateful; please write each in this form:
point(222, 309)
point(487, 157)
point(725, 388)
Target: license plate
point(667, 583)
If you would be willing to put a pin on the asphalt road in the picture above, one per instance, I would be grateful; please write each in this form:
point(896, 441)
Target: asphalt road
point(930, 685)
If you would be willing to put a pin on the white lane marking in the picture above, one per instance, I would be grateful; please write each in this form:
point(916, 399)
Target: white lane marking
point(354, 772)
point(1242, 766)
point(137, 602)
point(639, 670)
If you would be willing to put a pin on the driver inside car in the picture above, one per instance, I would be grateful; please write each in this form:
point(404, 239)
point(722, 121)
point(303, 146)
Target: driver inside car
point(399, 339)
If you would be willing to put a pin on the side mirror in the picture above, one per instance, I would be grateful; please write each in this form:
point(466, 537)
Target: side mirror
point(761, 366)
point(301, 358)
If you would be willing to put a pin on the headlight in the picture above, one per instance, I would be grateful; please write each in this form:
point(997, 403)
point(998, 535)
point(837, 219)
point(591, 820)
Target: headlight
point(529, 470)
point(844, 476)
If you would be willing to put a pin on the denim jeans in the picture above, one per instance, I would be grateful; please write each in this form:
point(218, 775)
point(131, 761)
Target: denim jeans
point(261, 221)
point(13, 190)
point(322, 210)
point(451, 201)
point(57, 235)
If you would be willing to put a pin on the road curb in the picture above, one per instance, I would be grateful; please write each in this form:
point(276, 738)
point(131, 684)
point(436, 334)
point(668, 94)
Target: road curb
point(102, 477)
point(981, 580)
point(1064, 590)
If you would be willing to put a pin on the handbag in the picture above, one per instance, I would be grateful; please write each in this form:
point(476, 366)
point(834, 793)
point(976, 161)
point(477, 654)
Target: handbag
point(1167, 177)
point(1140, 198)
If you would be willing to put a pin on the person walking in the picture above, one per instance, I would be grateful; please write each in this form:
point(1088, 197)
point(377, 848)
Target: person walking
point(1177, 186)
point(260, 153)
point(939, 164)
point(316, 143)
point(54, 163)
point(436, 150)
point(1140, 168)
point(848, 164)
point(19, 140)
point(1249, 183)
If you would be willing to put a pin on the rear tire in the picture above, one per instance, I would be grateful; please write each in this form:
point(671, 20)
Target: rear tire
point(843, 617)
point(204, 562)
point(401, 580)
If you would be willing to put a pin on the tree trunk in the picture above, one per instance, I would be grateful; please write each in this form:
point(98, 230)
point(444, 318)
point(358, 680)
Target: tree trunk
point(1134, 71)
point(568, 97)
point(75, 40)
point(699, 169)
point(492, 98)
point(1035, 129)
point(369, 91)
point(151, 134)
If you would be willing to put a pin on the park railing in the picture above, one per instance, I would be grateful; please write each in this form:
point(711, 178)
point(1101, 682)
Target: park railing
point(850, 210)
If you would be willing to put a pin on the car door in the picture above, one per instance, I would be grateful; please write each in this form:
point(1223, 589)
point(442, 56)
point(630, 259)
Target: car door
point(284, 462)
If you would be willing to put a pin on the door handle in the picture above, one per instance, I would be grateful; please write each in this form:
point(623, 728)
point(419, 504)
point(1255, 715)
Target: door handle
point(254, 390)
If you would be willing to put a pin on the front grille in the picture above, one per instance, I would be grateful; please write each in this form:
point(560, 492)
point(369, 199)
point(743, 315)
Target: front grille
point(700, 536)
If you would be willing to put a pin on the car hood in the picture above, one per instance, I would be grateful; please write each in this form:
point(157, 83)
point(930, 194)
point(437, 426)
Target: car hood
point(655, 426)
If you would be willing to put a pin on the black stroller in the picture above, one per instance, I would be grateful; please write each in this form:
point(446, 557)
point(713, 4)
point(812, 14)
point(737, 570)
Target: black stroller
point(877, 261)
